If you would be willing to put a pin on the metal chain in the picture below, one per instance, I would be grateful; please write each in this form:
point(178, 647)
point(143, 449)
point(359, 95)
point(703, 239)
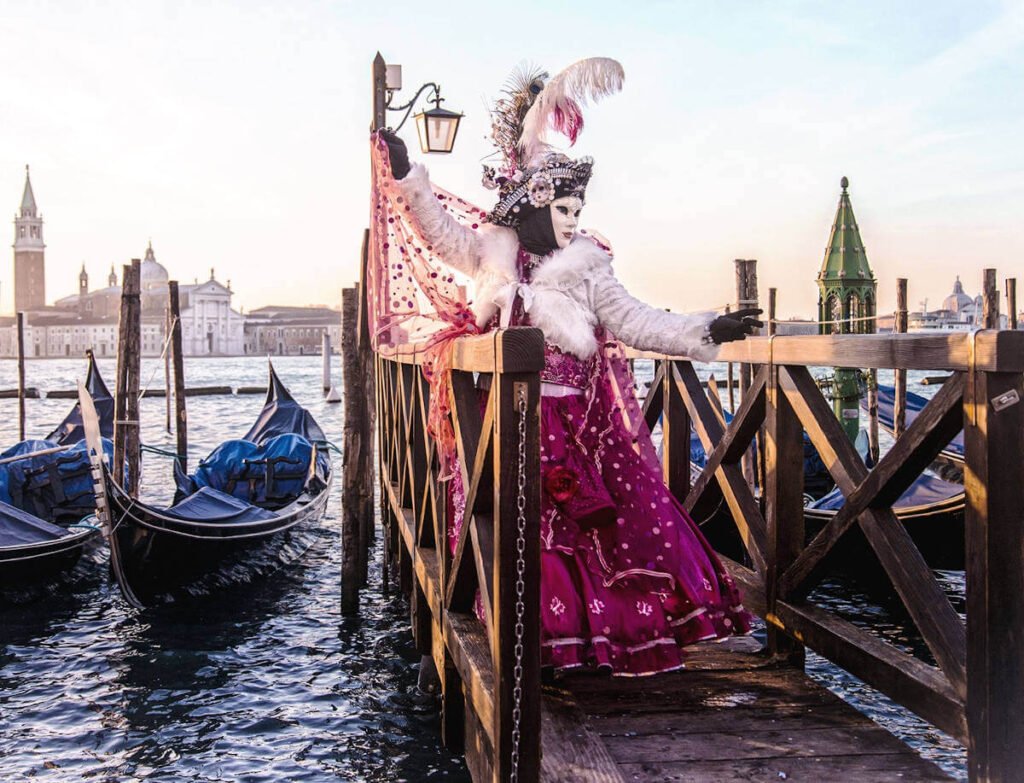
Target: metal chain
point(517, 671)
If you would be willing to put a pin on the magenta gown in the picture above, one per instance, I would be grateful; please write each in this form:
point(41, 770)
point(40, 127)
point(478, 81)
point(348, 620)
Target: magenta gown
point(627, 578)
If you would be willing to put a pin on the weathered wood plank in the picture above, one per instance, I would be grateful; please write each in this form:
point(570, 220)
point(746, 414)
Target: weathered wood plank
point(570, 750)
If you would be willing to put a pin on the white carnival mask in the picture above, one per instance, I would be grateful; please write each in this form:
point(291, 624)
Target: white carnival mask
point(565, 216)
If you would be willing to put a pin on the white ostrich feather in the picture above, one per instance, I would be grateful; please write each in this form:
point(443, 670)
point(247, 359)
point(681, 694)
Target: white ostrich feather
point(564, 94)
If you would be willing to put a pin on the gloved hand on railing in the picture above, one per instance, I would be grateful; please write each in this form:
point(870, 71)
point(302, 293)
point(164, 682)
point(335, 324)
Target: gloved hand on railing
point(397, 153)
point(734, 326)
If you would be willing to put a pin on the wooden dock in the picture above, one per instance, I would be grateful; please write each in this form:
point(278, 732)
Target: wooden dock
point(734, 713)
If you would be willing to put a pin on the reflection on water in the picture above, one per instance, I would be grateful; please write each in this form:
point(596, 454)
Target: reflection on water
point(263, 682)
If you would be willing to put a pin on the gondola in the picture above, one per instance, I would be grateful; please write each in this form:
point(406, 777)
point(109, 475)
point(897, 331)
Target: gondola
point(237, 515)
point(46, 491)
point(931, 510)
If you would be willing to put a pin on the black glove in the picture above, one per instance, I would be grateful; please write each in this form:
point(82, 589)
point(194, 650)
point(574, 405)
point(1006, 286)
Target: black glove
point(397, 153)
point(734, 326)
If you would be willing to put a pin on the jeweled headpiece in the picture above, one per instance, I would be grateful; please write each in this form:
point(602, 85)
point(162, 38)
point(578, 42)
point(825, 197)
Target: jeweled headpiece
point(533, 174)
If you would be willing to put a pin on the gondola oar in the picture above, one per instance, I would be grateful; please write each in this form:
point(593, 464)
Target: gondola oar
point(94, 444)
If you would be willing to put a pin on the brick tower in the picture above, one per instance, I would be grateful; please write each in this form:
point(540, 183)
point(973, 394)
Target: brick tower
point(29, 268)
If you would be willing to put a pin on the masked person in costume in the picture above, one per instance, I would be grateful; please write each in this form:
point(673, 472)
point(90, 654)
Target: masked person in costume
point(627, 578)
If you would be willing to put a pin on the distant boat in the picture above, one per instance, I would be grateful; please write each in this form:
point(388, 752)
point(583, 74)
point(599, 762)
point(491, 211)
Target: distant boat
point(46, 491)
point(232, 518)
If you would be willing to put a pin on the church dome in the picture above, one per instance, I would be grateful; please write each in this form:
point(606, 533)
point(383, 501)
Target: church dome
point(153, 272)
point(957, 301)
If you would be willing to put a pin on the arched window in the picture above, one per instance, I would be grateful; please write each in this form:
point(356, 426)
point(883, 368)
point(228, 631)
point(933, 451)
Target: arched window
point(852, 313)
point(834, 312)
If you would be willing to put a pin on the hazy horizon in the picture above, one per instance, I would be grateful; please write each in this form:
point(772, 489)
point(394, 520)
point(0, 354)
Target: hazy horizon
point(235, 137)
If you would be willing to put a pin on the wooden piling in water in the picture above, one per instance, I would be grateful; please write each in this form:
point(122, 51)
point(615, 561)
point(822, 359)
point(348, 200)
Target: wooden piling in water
point(990, 300)
point(167, 363)
point(772, 292)
point(900, 383)
point(21, 376)
point(357, 450)
point(746, 296)
point(325, 352)
point(1011, 303)
point(178, 363)
point(127, 454)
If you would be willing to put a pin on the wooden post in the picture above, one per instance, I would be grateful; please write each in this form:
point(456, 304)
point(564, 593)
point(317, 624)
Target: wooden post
point(352, 447)
point(784, 486)
point(21, 376)
point(746, 296)
point(127, 456)
point(517, 386)
point(730, 379)
point(325, 350)
point(379, 92)
point(874, 448)
point(990, 301)
point(1011, 303)
point(675, 435)
point(178, 361)
point(900, 392)
point(994, 482)
point(168, 327)
point(771, 311)
point(368, 366)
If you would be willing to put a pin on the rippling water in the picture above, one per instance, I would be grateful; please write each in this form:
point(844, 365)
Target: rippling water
point(265, 682)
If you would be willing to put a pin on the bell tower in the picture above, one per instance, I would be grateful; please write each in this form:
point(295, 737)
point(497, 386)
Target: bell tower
point(29, 268)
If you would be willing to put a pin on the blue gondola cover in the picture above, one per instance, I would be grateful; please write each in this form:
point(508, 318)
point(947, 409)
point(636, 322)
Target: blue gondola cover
point(925, 491)
point(18, 528)
point(211, 505)
point(51, 485)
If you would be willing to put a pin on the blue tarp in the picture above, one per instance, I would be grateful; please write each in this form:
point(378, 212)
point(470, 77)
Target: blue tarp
point(50, 486)
point(925, 491)
point(211, 505)
point(915, 404)
point(18, 528)
point(274, 471)
point(270, 464)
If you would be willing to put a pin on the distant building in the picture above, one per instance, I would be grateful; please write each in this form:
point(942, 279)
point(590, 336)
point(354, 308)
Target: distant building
point(89, 319)
point(291, 331)
point(29, 266)
point(959, 312)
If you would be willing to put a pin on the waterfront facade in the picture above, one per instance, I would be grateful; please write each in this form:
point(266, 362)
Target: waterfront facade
point(291, 331)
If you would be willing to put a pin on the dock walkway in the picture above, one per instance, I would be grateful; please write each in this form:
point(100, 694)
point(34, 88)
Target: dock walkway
point(731, 715)
point(734, 713)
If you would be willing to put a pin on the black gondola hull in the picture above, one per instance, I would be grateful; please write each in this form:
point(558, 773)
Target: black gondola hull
point(163, 559)
point(35, 564)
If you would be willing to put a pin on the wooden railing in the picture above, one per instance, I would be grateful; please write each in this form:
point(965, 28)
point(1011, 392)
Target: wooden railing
point(976, 686)
point(489, 672)
point(976, 689)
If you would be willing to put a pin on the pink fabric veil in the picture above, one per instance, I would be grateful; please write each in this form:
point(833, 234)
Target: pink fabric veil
point(417, 304)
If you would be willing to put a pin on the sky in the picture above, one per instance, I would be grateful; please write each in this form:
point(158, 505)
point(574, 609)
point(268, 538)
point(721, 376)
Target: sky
point(234, 135)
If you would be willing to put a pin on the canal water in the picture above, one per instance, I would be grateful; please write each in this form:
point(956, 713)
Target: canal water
point(265, 682)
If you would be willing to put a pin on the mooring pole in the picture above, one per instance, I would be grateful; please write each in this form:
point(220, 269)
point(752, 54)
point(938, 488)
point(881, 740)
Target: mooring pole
point(352, 446)
point(772, 294)
point(168, 324)
point(178, 362)
point(21, 376)
point(730, 378)
point(1011, 303)
point(127, 456)
point(379, 92)
point(990, 301)
point(900, 391)
point(746, 296)
point(325, 350)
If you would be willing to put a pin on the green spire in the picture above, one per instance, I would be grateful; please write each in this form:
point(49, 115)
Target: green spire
point(846, 284)
point(845, 257)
